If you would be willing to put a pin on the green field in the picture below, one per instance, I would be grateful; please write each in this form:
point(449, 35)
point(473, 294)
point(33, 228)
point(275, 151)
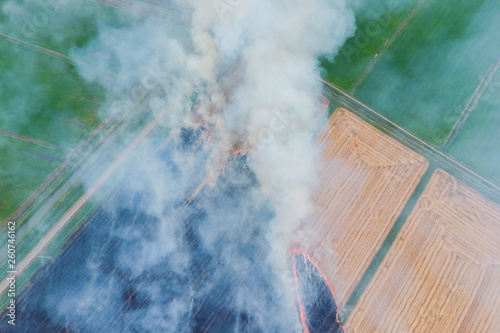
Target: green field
point(375, 23)
point(429, 73)
point(23, 167)
point(432, 69)
point(43, 25)
point(43, 95)
point(477, 144)
point(56, 106)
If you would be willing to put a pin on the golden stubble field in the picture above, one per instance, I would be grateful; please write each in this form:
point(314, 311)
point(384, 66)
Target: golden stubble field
point(363, 184)
point(442, 273)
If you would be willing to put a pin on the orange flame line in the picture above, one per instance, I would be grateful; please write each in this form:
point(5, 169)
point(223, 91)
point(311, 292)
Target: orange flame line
point(240, 151)
point(303, 316)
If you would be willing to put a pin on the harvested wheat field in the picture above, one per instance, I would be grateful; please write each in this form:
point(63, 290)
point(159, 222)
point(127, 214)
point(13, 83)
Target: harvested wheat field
point(443, 272)
point(364, 182)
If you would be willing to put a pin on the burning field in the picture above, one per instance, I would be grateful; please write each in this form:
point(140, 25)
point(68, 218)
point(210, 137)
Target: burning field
point(214, 195)
point(193, 236)
point(196, 257)
point(199, 264)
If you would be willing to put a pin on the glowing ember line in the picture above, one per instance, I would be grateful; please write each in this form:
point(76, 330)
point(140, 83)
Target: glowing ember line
point(303, 316)
point(243, 151)
point(239, 151)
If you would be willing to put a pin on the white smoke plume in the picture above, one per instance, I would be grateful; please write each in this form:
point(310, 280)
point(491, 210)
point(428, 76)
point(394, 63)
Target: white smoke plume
point(248, 71)
point(276, 43)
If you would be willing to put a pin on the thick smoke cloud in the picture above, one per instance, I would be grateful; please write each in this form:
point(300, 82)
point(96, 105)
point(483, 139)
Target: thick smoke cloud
point(146, 261)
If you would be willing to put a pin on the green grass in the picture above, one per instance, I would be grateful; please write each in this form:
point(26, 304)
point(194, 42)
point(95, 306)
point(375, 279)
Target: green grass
point(23, 167)
point(431, 70)
point(375, 23)
point(44, 97)
point(477, 144)
point(61, 27)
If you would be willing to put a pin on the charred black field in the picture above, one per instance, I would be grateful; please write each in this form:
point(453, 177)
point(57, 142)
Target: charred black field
point(196, 266)
point(317, 304)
